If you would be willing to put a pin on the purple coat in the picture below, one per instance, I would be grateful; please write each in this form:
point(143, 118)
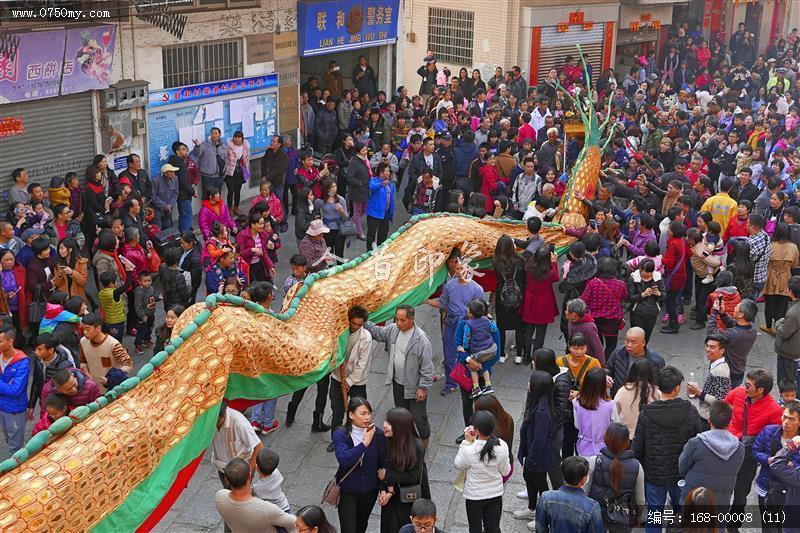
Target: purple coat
point(638, 241)
point(592, 426)
point(208, 215)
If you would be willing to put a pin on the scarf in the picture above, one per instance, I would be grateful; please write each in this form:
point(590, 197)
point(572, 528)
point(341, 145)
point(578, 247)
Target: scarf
point(120, 268)
point(95, 187)
point(669, 200)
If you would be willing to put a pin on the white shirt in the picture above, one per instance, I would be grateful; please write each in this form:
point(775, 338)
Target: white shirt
point(236, 438)
point(400, 347)
point(428, 160)
point(537, 119)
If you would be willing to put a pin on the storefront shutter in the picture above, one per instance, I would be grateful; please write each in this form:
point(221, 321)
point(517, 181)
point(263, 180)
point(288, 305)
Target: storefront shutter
point(58, 138)
point(558, 45)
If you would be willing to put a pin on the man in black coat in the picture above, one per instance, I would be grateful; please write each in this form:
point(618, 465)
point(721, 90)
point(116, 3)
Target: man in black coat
point(426, 158)
point(744, 188)
point(326, 127)
point(273, 169)
point(662, 431)
point(447, 154)
point(623, 357)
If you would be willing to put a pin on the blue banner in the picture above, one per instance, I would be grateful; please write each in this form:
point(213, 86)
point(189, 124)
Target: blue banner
point(188, 93)
point(325, 27)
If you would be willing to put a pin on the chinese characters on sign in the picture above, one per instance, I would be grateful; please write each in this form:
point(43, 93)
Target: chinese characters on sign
point(50, 63)
point(348, 24)
point(205, 90)
point(10, 126)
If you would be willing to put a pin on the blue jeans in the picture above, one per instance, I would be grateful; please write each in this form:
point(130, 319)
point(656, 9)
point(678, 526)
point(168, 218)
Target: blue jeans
point(13, 425)
point(185, 214)
point(656, 497)
point(264, 413)
point(115, 330)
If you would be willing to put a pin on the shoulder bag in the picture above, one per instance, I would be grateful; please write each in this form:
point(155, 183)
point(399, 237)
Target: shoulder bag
point(37, 307)
point(334, 489)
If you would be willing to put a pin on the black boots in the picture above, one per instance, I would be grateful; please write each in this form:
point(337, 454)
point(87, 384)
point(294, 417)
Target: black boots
point(318, 426)
point(291, 410)
point(671, 328)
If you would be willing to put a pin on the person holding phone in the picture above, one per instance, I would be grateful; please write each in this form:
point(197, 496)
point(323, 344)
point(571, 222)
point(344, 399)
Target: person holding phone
point(361, 452)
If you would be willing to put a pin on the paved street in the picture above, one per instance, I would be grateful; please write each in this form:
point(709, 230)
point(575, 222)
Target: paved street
point(307, 467)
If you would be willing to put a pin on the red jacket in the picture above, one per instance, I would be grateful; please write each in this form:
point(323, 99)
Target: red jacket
point(539, 302)
point(760, 414)
point(525, 131)
point(246, 244)
point(674, 267)
point(490, 178)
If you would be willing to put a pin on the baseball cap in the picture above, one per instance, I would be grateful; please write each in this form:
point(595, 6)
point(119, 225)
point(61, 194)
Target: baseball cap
point(31, 232)
point(168, 168)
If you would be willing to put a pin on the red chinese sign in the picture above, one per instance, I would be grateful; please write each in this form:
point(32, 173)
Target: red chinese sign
point(10, 126)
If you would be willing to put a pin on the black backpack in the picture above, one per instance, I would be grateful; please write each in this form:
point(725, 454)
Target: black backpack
point(510, 294)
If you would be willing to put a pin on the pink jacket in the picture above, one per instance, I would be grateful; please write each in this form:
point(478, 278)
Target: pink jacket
point(137, 256)
point(209, 214)
point(231, 160)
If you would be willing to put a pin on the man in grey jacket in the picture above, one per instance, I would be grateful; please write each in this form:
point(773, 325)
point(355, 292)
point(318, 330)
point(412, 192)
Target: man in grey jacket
point(712, 458)
point(410, 371)
point(787, 344)
point(739, 331)
point(210, 158)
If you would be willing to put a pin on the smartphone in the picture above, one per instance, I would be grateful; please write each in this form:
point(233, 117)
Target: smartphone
point(719, 300)
point(593, 223)
point(552, 247)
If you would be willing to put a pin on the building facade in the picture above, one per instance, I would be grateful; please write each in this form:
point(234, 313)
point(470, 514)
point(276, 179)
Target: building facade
point(148, 79)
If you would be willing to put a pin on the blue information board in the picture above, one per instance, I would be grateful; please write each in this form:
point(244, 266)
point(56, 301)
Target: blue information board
point(255, 115)
point(325, 27)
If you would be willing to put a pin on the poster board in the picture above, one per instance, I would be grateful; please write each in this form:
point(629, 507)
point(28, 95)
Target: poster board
point(255, 114)
point(289, 108)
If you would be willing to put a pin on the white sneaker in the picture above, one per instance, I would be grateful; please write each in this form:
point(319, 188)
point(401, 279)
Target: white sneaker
point(522, 495)
point(531, 525)
point(708, 279)
point(518, 360)
point(524, 514)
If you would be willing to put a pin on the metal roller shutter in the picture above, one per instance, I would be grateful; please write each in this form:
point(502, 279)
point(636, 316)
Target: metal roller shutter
point(58, 138)
point(558, 45)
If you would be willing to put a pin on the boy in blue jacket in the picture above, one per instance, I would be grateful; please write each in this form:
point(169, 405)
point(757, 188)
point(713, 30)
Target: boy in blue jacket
point(14, 371)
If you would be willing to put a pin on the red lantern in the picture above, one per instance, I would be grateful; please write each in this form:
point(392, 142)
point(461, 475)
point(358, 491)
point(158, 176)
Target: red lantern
point(634, 26)
point(588, 26)
point(656, 24)
point(562, 27)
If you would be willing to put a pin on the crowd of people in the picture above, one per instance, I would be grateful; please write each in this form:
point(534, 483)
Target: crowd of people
point(696, 217)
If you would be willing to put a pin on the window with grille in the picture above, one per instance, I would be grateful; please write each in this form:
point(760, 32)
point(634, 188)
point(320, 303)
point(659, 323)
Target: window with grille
point(189, 64)
point(450, 33)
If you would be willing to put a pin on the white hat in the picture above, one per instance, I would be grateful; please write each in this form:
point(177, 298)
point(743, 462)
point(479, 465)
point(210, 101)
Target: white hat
point(317, 228)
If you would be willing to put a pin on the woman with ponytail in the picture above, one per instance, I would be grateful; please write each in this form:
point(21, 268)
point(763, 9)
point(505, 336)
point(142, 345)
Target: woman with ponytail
point(484, 458)
point(616, 481)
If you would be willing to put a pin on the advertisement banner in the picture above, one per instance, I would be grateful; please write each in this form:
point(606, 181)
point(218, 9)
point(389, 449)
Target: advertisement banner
point(41, 66)
point(88, 56)
point(325, 27)
point(32, 69)
point(208, 90)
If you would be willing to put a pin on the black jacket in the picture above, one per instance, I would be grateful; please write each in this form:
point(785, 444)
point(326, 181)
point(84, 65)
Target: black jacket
point(185, 189)
point(357, 180)
point(141, 182)
point(448, 156)
point(749, 192)
point(42, 374)
point(176, 291)
point(194, 266)
point(273, 167)
point(619, 361)
point(415, 169)
point(326, 128)
point(651, 305)
point(662, 431)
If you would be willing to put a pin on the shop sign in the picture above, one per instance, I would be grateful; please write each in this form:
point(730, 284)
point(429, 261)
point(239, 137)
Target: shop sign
point(285, 44)
point(288, 71)
point(10, 126)
point(60, 62)
point(260, 48)
point(332, 26)
point(575, 18)
point(210, 90)
point(288, 109)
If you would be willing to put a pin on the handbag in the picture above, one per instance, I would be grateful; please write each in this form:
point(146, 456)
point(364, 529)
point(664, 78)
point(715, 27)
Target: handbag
point(460, 375)
point(411, 493)
point(37, 307)
point(333, 491)
point(347, 228)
